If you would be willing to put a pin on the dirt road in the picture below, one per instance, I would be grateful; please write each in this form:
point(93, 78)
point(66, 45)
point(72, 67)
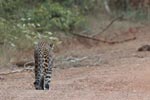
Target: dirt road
point(122, 73)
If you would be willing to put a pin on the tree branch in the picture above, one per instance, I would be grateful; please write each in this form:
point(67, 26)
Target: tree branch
point(108, 26)
point(104, 41)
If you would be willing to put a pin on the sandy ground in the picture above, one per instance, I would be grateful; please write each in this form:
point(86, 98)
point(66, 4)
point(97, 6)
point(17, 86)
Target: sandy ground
point(121, 74)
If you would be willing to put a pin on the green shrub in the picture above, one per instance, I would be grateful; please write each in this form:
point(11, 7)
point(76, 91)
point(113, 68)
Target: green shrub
point(22, 36)
point(23, 22)
point(53, 16)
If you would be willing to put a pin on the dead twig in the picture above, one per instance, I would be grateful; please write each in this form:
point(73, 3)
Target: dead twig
point(23, 63)
point(74, 59)
point(108, 26)
point(17, 71)
point(30, 63)
point(21, 70)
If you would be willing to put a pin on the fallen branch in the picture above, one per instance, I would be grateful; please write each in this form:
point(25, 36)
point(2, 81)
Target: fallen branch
point(108, 26)
point(30, 63)
point(17, 71)
point(23, 63)
point(104, 41)
point(91, 37)
point(30, 68)
point(74, 59)
point(87, 37)
point(144, 48)
point(21, 70)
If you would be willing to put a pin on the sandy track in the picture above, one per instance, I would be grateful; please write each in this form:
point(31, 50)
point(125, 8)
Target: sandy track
point(122, 75)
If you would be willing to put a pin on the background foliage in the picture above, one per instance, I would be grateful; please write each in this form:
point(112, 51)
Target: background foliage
point(30, 20)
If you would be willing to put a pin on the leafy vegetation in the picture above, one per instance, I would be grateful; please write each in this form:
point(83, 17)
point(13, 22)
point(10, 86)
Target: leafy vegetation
point(53, 16)
point(131, 9)
point(24, 22)
point(30, 20)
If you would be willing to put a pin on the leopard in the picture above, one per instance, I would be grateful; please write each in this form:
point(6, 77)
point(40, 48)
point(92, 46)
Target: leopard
point(43, 57)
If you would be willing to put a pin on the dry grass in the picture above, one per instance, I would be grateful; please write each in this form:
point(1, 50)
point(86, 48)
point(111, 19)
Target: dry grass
point(6, 54)
point(10, 55)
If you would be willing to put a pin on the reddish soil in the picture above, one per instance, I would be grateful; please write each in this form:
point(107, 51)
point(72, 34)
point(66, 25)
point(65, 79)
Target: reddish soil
point(120, 73)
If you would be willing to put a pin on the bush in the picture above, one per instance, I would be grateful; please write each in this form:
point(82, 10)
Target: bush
point(53, 16)
point(22, 36)
point(23, 22)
